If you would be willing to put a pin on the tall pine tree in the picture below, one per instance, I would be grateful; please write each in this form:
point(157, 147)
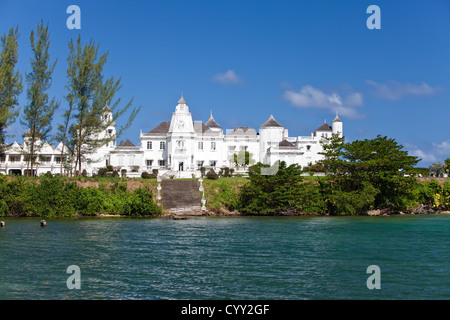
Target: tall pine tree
point(38, 113)
point(10, 82)
point(88, 94)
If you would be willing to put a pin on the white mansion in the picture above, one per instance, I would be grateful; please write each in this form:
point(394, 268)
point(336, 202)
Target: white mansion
point(181, 146)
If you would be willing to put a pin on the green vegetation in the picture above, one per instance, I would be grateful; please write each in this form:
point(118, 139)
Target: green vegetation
point(360, 176)
point(89, 96)
point(54, 196)
point(223, 193)
point(280, 193)
point(10, 82)
point(367, 174)
point(38, 112)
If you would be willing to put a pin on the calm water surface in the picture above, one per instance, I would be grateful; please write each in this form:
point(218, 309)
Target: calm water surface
point(227, 258)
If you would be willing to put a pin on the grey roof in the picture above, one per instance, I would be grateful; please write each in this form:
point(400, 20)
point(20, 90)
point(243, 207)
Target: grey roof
point(337, 118)
point(127, 143)
point(286, 144)
point(199, 127)
point(211, 123)
point(106, 108)
point(243, 131)
point(324, 127)
point(161, 129)
point(271, 122)
point(181, 101)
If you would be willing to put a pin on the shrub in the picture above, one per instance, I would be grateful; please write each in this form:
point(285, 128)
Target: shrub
point(280, 193)
point(425, 192)
point(146, 175)
point(342, 202)
point(446, 194)
point(140, 203)
point(224, 172)
point(102, 172)
point(212, 175)
point(317, 168)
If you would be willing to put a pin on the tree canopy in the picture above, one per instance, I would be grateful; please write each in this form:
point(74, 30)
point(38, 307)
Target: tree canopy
point(10, 82)
point(379, 166)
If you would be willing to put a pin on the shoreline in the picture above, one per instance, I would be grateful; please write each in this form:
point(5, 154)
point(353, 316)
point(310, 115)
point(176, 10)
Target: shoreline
point(227, 213)
point(185, 216)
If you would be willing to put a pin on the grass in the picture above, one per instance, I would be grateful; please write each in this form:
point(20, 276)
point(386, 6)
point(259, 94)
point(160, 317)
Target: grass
point(222, 193)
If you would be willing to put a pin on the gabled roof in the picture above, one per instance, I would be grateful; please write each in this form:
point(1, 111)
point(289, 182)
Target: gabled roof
point(211, 123)
point(47, 148)
point(127, 143)
point(240, 131)
point(161, 129)
point(324, 127)
point(286, 144)
point(271, 122)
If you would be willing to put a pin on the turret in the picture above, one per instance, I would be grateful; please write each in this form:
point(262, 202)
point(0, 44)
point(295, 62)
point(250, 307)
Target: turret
point(110, 132)
point(337, 126)
point(270, 134)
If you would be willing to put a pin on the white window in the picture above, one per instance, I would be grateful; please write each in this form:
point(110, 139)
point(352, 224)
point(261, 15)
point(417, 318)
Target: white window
point(200, 145)
point(149, 163)
point(199, 164)
point(14, 159)
point(162, 163)
point(45, 159)
point(149, 145)
point(213, 145)
point(212, 163)
point(58, 159)
point(162, 145)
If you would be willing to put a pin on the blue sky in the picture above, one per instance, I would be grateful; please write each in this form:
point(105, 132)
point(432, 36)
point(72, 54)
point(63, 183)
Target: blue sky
point(299, 60)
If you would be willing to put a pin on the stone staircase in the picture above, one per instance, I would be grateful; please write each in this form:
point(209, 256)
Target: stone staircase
point(181, 196)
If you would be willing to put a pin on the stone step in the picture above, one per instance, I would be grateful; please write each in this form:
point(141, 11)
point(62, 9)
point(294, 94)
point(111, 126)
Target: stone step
point(180, 195)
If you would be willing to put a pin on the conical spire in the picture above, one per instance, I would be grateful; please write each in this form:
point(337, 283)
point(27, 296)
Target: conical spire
point(182, 101)
point(337, 118)
point(211, 123)
point(271, 122)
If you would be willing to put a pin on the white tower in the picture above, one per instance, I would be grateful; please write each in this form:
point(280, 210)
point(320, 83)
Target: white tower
point(337, 126)
point(181, 138)
point(271, 133)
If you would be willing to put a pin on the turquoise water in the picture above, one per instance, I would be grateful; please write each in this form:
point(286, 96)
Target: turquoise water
point(227, 258)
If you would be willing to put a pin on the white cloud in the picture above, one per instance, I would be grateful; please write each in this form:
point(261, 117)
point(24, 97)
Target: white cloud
point(442, 148)
point(425, 156)
point(229, 77)
point(395, 91)
point(434, 152)
point(310, 97)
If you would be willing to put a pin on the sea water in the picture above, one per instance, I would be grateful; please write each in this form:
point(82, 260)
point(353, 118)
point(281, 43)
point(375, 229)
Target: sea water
point(281, 258)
